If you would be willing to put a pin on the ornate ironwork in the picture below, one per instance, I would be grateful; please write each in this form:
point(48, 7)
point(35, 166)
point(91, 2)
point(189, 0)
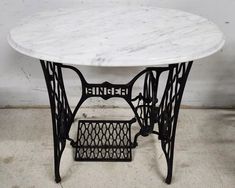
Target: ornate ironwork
point(149, 109)
point(100, 140)
point(60, 111)
point(169, 110)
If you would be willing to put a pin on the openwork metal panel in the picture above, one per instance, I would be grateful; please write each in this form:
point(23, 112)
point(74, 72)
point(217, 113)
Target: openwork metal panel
point(145, 105)
point(110, 140)
point(103, 141)
point(60, 110)
point(169, 109)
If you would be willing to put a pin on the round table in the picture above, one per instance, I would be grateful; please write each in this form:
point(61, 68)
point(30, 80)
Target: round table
point(118, 36)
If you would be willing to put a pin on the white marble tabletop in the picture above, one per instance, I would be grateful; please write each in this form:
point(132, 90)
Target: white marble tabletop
point(116, 36)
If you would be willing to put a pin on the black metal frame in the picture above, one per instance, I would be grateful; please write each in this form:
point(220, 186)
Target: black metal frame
point(104, 140)
point(146, 106)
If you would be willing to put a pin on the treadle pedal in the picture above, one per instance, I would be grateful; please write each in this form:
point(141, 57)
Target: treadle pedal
point(104, 140)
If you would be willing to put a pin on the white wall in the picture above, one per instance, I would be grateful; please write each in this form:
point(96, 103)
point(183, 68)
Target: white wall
point(211, 82)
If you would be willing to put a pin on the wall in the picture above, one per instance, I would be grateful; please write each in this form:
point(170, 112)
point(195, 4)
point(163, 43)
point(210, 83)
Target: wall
point(211, 82)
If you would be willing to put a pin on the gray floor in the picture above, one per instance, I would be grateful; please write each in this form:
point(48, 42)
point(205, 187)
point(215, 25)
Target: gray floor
point(204, 153)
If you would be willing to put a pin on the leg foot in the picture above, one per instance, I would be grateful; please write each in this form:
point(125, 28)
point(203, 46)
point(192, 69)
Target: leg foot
point(169, 172)
point(58, 179)
point(168, 179)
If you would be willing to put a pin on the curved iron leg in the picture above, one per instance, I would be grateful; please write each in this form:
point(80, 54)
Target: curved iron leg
point(57, 166)
point(169, 110)
point(60, 111)
point(170, 165)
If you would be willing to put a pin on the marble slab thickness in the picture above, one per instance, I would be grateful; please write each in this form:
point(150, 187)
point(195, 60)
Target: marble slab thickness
point(116, 36)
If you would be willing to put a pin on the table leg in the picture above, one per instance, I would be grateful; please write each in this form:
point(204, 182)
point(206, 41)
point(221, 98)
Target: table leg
point(60, 111)
point(169, 110)
point(149, 112)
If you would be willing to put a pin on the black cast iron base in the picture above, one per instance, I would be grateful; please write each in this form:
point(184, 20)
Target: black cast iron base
point(111, 140)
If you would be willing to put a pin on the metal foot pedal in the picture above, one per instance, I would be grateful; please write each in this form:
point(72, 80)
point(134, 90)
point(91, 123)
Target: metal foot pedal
point(101, 140)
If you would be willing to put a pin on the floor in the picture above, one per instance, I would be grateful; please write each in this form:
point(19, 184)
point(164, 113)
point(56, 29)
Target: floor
point(204, 153)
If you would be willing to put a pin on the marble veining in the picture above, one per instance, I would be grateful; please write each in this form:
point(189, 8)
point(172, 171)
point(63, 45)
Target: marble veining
point(116, 36)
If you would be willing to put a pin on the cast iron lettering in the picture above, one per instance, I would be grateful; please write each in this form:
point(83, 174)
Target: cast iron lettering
point(106, 90)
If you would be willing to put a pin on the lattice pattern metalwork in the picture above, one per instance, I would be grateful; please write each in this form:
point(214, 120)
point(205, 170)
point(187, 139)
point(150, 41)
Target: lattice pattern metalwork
point(169, 109)
point(100, 140)
point(60, 110)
